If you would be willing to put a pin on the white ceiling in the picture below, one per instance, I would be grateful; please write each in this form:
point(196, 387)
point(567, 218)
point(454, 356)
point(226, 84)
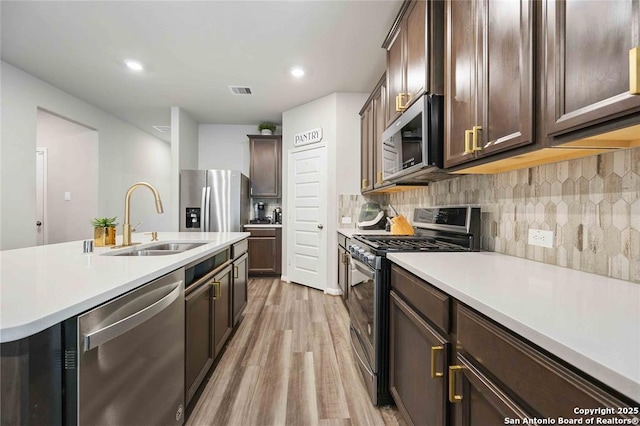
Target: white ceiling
point(193, 51)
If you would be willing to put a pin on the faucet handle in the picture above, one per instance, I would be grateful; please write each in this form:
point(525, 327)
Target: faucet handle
point(154, 235)
point(135, 227)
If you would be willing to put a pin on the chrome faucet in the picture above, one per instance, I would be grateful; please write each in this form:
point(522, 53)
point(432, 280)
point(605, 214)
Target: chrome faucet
point(126, 226)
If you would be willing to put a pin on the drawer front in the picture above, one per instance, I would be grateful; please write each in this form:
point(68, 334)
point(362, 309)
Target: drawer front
point(550, 389)
point(239, 248)
point(262, 232)
point(342, 240)
point(430, 302)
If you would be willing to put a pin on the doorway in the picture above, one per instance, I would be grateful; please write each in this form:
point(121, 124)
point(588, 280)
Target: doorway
point(66, 179)
point(307, 238)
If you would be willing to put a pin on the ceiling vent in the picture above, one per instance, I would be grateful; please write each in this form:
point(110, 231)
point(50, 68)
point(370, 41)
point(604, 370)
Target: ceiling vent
point(162, 129)
point(240, 90)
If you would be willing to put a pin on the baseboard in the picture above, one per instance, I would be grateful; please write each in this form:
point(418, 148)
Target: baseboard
point(284, 278)
point(333, 291)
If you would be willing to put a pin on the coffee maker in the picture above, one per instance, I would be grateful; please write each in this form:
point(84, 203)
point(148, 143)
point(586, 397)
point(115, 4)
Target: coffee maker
point(259, 213)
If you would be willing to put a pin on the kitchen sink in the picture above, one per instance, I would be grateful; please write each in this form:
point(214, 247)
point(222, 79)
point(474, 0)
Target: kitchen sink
point(160, 249)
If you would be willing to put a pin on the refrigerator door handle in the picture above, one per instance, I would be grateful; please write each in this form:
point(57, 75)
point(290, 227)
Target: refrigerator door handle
point(203, 208)
point(207, 217)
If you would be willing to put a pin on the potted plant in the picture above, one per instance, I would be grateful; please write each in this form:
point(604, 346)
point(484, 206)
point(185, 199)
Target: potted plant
point(104, 231)
point(267, 128)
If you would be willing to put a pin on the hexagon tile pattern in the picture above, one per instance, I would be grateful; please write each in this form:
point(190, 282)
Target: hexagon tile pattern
point(592, 205)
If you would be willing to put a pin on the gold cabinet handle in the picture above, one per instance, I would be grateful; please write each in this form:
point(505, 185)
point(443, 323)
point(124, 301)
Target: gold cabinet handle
point(475, 131)
point(380, 177)
point(365, 183)
point(217, 293)
point(467, 142)
point(435, 373)
point(453, 398)
point(634, 71)
point(398, 102)
point(402, 95)
point(236, 271)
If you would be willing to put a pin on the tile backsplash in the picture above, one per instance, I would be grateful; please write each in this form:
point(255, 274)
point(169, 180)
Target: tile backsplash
point(591, 204)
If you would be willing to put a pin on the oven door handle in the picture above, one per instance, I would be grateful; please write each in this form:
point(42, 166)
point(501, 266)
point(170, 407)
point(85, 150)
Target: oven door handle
point(363, 269)
point(363, 363)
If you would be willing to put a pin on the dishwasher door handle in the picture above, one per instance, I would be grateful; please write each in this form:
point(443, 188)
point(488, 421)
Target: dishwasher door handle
point(103, 335)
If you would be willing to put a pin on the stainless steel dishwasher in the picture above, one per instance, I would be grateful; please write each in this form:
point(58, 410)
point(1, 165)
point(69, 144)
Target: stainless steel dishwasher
point(130, 358)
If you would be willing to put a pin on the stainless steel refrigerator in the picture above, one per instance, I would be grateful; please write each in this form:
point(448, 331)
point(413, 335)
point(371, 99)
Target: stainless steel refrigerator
point(213, 200)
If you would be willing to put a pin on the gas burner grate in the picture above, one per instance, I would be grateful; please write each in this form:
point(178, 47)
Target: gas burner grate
point(390, 243)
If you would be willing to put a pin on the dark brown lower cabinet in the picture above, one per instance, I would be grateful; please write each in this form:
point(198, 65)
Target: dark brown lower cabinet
point(265, 251)
point(476, 400)
point(199, 348)
point(240, 282)
point(492, 374)
point(223, 319)
point(208, 324)
point(418, 365)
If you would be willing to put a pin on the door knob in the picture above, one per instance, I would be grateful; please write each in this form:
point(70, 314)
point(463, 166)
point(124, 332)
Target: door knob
point(38, 223)
point(320, 226)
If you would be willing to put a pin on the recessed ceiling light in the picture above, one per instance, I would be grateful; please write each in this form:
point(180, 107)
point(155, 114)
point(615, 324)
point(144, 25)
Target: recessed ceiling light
point(297, 72)
point(134, 65)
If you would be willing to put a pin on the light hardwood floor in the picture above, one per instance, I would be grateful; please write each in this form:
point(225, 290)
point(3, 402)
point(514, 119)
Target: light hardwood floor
point(290, 362)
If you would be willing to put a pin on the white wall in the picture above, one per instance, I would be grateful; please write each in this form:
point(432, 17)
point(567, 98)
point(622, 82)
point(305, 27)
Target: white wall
point(337, 114)
point(72, 166)
point(348, 137)
point(225, 146)
point(184, 155)
point(126, 155)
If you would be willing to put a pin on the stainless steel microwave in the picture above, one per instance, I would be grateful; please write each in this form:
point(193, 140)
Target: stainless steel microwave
point(412, 145)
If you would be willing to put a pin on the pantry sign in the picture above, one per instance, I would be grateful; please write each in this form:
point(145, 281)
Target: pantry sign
point(310, 136)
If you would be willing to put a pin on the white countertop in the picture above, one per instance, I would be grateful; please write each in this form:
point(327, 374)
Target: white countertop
point(263, 225)
point(590, 321)
point(44, 285)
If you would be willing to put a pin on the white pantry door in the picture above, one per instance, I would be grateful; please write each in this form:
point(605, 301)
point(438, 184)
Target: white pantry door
point(307, 241)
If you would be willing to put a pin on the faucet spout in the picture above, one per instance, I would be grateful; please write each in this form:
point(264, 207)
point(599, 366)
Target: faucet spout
point(126, 226)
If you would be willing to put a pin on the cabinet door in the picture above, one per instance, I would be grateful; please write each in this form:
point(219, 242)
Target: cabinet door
point(198, 337)
point(415, 51)
point(505, 76)
point(417, 381)
point(222, 320)
point(395, 77)
point(240, 282)
point(379, 122)
point(587, 69)
point(366, 149)
point(460, 75)
point(266, 167)
point(478, 401)
point(264, 253)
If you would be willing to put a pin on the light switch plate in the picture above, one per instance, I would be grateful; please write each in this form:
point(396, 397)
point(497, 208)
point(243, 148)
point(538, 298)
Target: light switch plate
point(67, 196)
point(346, 219)
point(538, 237)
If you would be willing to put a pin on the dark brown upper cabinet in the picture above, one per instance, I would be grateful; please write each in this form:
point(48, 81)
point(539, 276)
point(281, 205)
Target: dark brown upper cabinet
point(366, 147)
point(406, 58)
point(372, 124)
point(489, 78)
point(266, 166)
point(588, 63)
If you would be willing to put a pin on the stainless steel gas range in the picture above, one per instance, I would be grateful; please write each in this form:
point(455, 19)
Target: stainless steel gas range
point(437, 229)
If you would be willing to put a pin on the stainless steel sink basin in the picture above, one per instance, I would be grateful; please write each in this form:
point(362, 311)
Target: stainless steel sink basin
point(159, 249)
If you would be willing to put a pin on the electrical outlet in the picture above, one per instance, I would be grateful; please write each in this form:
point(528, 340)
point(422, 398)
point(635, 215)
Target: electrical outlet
point(346, 219)
point(538, 237)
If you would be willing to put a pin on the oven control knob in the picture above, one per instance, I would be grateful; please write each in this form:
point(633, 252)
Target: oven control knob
point(370, 258)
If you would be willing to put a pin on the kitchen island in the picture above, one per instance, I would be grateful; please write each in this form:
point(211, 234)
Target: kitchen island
point(108, 311)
